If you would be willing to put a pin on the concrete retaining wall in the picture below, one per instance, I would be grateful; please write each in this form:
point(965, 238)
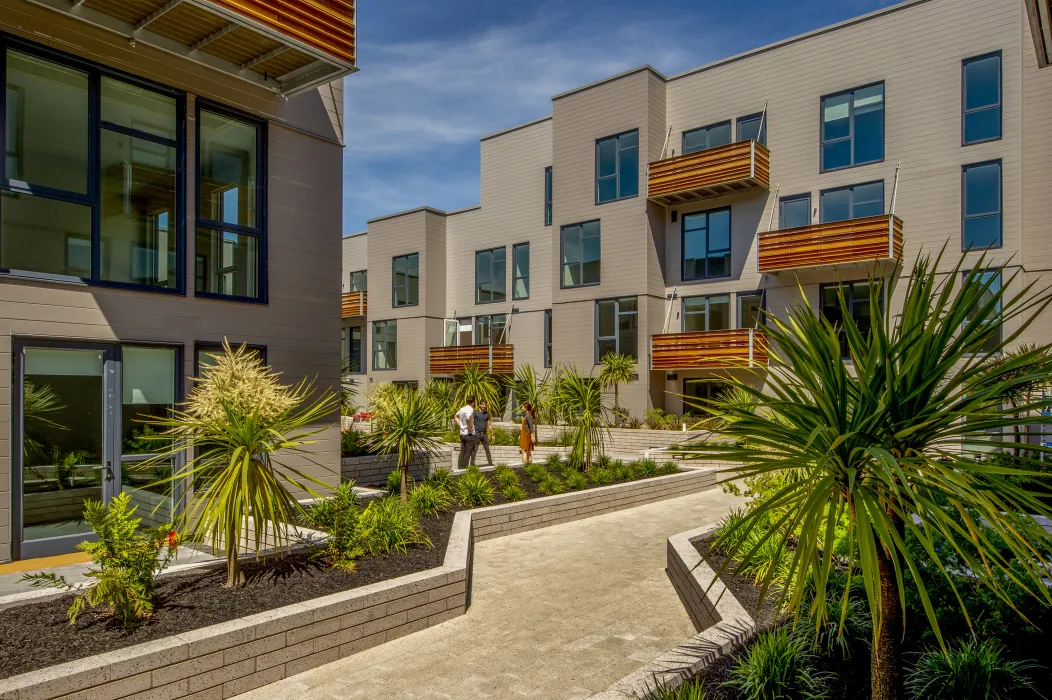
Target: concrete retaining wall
point(373, 470)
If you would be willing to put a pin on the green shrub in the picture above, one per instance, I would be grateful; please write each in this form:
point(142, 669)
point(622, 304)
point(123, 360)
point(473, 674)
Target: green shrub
point(473, 469)
point(843, 635)
point(506, 477)
point(339, 516)
point(354, 444)
point(622, 471)
point(535, 471)
point(513, 493)
point(394, 482)
point(972, 670)
point(126, 562)
point(657, 419)
point(427, 499)
point(474, 490)
point(602, 476)
point(505, 438)
point(601, 461)
point(440, 478)
point(729, 534)
point(646, 468)
point(691, 690)
point(778, 664)
point(388, 525)
point(576, 481)
point(668, 468)
point(551, 485)
point(322, 514)
point(554, 461)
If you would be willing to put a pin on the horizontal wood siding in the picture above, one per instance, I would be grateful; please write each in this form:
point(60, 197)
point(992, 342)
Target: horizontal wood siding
point(355, 304)
point(714, 172)
point(853, 241)
point(708, 349)
point(453, 359)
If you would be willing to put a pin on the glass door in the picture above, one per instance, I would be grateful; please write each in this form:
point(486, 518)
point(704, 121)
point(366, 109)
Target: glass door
point(66, 455)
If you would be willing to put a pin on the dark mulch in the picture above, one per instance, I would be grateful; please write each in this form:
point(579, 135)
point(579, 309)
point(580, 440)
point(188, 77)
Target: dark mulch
point(38, 634)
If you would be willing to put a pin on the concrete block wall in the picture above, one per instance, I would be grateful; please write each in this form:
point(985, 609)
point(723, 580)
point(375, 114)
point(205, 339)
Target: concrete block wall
point(372, 470)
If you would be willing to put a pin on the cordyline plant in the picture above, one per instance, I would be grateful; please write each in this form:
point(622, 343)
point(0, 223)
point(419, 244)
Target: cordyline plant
point(410, 425)
point(615, 370)
point(580, 402)
point(477, 381)
point(235, 427)
point(893, 449)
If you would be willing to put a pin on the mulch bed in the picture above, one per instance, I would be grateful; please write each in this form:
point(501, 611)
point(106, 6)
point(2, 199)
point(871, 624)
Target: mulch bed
point(37, 635)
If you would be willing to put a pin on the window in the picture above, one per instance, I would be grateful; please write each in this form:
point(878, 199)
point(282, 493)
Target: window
point(750, 309)
point(359, 280)
point(701, 391)
point(753, 126)
point(706, 137)
point(491, 278)
point(205, 354)
point(410, 384)
point(405, 280)
point(853, 127)
point(352, 349)
point(91, 180)
point(230, 245)
point(520, 271)
point(547, 337)
point(548, 196)
point(707, 244)
point(856, 305)
point(616, 324)
point(385, 344)
point(710, 313)
point(490, 330)
point(794, 212)
point(854, 202)
point(580, 254)
point(992, 278)
point(981, 99)
point(981, 206)
point(617, 167)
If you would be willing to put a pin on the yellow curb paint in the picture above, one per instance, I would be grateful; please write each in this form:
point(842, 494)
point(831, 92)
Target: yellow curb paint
point(15, 567)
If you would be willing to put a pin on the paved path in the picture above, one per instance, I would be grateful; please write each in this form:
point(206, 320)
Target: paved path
point(556, 614)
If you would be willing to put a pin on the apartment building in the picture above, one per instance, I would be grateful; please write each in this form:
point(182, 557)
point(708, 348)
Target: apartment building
point(657, 216)
point(167, 183)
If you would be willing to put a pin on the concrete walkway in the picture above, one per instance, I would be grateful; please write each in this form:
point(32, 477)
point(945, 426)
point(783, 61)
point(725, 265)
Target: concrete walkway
point(557, 614)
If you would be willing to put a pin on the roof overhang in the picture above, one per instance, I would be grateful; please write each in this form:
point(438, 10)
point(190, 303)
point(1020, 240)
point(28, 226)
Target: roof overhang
point(1040, 12)
point(288, 46)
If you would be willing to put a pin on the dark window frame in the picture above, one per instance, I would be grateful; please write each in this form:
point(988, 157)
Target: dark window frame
point(362, 333)
point(365, 281)
point(1000, 204)
point(738, 296)
point(581, 264)
point(394, 285)
point(683, 244)
point(617, 327)
point(547, 338)
point(208, 345)
point(1000, 97)
point(617, 173)
point(515, 278)
point(493, 277)
point(262, 175)
point(794, 198)
point(683, 313)
point(851, 189)
point(477, 324)
point(707, 128)
point(761, 137)
point(548, 192)
point(1000, 310)
point(373, 341)
point(850, 299)
point(851, 117)
point(93, 197)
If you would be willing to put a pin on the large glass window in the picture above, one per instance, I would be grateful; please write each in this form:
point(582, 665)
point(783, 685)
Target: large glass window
point(753, 126)
point(490, 329)
point(707, 244)
point(708, 313)
point(580, 254)
point(548, 196)
point(385, 344)
point(616, 327)
point(359, 281)
point(981, 98)
point(981, 206)
point(59, 123)
point(230, 245)
point(993, 279)
point(854, 202)
point(706, 137)
point(547, 337)
point(405, 280)
point(352, 349)
point(149, 392)
point(853, 127)
point(206, 354)
point(491, 276)
point(617, 167)
point(856, 305)
point(795, 211)
point(520, 261)
point(750, 309)
point(698, 392)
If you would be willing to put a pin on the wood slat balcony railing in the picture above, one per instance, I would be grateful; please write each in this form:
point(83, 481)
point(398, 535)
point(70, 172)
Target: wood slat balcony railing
point(355, 304)
point(870, 239)
point(728, 349)
point(288, 46)
point(498, 359)
point(714, 172)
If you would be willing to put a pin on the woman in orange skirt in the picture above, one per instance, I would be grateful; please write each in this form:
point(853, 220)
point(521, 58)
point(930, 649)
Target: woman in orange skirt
point(527, 433)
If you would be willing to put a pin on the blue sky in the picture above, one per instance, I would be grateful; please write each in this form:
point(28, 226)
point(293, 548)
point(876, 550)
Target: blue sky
point(438, 74)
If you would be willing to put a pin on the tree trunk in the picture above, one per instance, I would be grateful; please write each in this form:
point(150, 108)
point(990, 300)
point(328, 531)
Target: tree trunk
point(405, 483)
point(234, 577)
point(886, 657)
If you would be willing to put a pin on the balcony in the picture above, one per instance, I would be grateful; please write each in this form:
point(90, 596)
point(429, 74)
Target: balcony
point(740, 348)
point(736, 167)
point(498, 359)
point(870, 239)
point(355, 304)
point(288, 46)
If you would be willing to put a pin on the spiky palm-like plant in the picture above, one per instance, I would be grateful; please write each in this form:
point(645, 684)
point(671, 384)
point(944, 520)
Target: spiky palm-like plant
point(442, 395)
point(237, 425)
point(409, 426)
point(581, 404)
point(615, 370)
point(39, 403)
point(477, 381)
point(892, 448)
point(532, 387)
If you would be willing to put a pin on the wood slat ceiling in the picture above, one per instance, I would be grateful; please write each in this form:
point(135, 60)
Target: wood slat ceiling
point(188, 24)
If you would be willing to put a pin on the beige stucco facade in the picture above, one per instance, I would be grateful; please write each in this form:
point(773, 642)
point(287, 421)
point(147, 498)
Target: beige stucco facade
point(296, 322)
point(915, 49)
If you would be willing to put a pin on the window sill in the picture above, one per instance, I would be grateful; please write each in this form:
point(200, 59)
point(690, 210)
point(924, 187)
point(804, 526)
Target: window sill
point(228, 297)
point(63, 280)
point(849, 167)
point(619, 199)
point(485, 303)
point(579, 286)
point(965, 144)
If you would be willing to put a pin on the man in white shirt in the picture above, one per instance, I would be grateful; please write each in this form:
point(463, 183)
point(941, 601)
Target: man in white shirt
point(465, 419)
